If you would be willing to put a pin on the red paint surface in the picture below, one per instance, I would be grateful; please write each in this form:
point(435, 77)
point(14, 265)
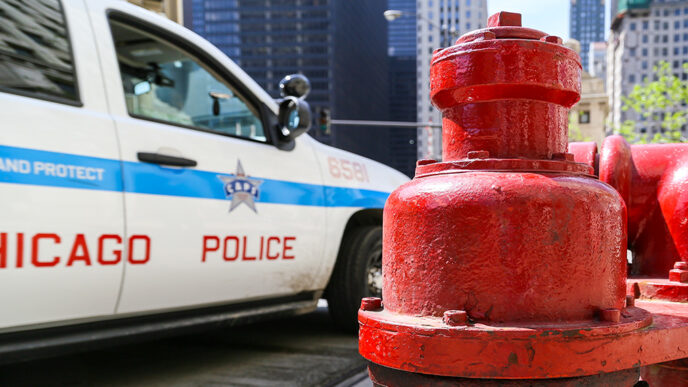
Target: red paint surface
point(652, 332)
point(510, 230)
point(243, 248)
point(47, 250)
point(504, 246)
point(653, 180)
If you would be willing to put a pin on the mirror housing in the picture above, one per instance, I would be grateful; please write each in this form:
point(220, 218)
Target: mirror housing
point(295, 85)
point(294, 118)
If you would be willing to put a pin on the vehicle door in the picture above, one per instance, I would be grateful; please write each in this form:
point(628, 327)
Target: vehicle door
point(216, 213)
point(62, 225)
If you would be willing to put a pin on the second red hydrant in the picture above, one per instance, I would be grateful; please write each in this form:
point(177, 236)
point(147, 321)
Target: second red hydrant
point(507, 262)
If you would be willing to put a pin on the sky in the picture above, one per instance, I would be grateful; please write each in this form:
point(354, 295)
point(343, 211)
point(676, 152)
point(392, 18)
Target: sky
point(551, 16)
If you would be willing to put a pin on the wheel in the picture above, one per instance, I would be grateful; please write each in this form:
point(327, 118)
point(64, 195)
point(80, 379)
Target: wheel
point(357, 274)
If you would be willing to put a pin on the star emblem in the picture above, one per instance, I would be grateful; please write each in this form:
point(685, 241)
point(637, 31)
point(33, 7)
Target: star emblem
point(241, 189)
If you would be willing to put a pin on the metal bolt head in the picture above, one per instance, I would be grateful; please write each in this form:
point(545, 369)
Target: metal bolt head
point(484, 35)
point(481, 154)
point(503, 19)
point(371, 303)
point(455, 318)
point(630, 300)
point(425, 162)
point(551, 39)
point(610, 315)
point(677, 275)
point(563, 156)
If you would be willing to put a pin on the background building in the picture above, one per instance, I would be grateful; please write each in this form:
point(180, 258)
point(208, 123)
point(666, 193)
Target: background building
point(586, 24)
point(171, 8)
point(588, 117)
point(614, 6)
point(643, 33)
point(341, 46)
point(440, 23)
point(402, 83)
point(597, 66)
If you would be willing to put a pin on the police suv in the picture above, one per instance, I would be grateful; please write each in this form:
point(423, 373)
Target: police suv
point(148, 184)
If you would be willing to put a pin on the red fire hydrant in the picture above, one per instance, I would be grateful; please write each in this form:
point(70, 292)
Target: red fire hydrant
point(653, 181)
point(506, 262)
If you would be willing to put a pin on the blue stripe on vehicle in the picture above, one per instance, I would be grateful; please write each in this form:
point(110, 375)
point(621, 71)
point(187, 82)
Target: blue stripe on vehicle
point(10, 156)
point(154, 179)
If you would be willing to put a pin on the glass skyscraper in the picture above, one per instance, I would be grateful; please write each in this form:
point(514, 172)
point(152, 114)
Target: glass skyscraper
point(586, 25)
point(402, 82)
point(340, 45)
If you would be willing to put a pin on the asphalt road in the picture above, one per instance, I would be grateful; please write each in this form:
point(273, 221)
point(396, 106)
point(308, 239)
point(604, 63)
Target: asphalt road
point(300, 351)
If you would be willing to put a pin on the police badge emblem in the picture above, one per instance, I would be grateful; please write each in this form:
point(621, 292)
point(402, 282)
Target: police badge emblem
point(240, 189)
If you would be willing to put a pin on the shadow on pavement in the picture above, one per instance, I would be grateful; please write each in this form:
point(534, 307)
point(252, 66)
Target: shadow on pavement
point(299, 351)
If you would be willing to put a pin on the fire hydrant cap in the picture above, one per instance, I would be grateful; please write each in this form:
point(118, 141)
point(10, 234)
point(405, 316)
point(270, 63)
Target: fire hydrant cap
point(497, 80)
point(504, 25)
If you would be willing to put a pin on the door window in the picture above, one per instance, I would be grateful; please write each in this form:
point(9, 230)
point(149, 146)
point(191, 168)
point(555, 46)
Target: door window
point(163, 83)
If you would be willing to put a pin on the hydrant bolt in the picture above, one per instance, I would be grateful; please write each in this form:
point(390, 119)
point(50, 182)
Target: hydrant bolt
point(371, 303)
point(610, 315)
point(455, 318)
point(481, 154)
point(551, 39)
point(425, 162)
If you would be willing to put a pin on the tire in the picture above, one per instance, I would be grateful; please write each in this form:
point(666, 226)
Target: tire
point(357, 274)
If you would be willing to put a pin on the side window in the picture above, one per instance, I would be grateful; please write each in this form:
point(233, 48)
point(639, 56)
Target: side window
point(163, 83)
point(35, 53)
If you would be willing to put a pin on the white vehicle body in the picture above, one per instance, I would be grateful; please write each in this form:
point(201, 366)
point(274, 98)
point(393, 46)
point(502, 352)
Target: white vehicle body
point(88, 232)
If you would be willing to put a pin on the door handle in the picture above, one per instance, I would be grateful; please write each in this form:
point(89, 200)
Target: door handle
point(157, 158)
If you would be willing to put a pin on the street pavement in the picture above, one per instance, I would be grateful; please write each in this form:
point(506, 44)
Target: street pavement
point(300, 351)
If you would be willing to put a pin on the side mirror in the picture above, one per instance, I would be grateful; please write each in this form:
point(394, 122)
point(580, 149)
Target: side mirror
point(294, 118)
point(295, 85)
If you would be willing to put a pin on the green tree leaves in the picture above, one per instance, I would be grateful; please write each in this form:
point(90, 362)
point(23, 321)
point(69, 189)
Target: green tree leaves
point(664, 99)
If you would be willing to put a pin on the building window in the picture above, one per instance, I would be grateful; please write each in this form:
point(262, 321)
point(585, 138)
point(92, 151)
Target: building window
point(36, 58)
point(632, 26)
point(646, 24)
point(584, 117)
point(644, 51)
point(645, 39)
point(631, 78)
